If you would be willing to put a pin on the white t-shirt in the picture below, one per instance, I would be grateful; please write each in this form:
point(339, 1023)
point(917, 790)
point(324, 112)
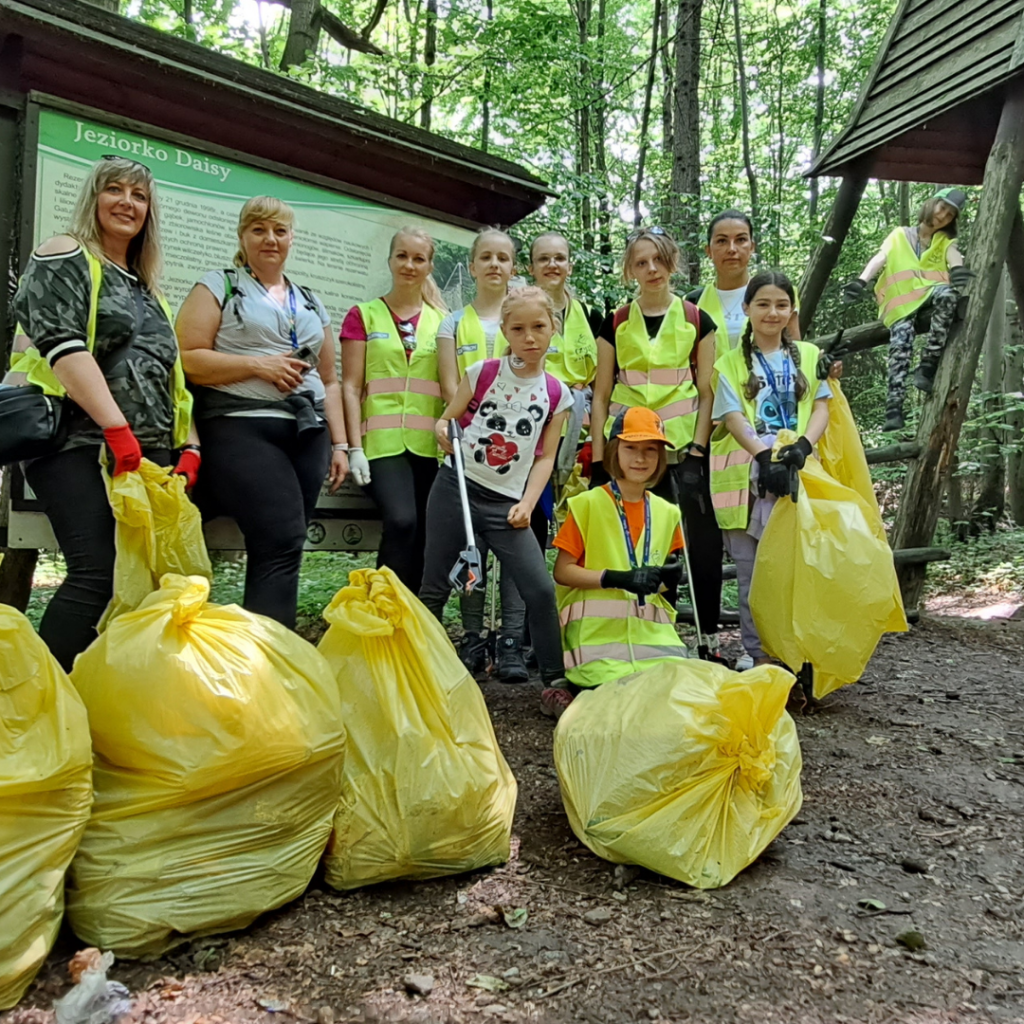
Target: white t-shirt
point(732, 308)
point(500, 444)
point(450, 325)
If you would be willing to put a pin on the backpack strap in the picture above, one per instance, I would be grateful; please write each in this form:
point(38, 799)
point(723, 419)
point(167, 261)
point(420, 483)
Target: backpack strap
point(554, 387)
point(230, 286)
point(488, 372)
point(692, 315)
point(307, 294)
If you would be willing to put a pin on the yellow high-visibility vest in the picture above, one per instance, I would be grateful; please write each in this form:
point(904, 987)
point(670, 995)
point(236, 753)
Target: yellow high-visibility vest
point(908, 279)
point(730, 462)
point(572, 355)
point(655, 372)
point(471, 341)
point(607, 634)
point(401, 397)
point(711, 303)
point(32, 363)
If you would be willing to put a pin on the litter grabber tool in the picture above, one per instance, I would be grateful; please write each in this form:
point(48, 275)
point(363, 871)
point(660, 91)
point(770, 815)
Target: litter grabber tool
point(467, 571)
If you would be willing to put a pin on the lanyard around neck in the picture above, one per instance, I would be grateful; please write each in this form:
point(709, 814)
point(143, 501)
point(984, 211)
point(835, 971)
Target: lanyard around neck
point(786, 379)
point(624, 522)
point(292, 308)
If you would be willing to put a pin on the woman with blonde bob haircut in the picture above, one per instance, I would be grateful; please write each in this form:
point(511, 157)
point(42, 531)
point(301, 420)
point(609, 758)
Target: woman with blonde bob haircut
point(259, 352)
point(101, 334)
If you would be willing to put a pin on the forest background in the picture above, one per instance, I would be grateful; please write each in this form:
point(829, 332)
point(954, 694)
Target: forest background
point(646, 111)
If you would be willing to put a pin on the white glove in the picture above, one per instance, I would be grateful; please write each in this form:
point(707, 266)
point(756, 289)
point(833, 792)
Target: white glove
point(359, 466)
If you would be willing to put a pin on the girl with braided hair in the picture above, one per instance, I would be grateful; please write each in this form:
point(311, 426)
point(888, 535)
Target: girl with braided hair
point(761, 388)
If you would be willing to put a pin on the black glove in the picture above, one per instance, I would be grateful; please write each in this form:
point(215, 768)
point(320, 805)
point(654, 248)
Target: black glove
point(671, 577)
point(641, 581)
point(959, 277)
point(598, 475)
point(772, 477)
point(691, 473)
point(795, 454)
point(853, 291)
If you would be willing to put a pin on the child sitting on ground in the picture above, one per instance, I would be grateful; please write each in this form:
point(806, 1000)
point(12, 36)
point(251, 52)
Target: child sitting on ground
point(616, 552)
point(512, 414)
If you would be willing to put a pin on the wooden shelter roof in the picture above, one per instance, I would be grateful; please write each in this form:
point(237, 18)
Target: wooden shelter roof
point(83, 54)
point(929, 108)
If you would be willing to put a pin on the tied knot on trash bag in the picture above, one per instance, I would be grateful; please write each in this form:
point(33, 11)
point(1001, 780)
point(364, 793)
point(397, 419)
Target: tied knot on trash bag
point(755, 764)
point(369, 605)
point(193, 593)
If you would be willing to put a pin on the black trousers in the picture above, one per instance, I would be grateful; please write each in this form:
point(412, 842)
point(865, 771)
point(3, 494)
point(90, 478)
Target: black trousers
point(704, 543)
point(400, 486)
point(69, 485)
point(267, 476)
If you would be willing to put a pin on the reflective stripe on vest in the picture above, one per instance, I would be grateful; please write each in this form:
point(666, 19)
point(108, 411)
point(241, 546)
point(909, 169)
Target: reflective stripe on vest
point(907, 280)
point(730, 462)
point(401, 398)
point(607, 634)
point(471, 341)
point(662, 366)
point(32, 363)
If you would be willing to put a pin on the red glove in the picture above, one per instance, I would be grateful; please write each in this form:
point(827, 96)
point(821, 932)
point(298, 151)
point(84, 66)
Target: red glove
point(188, 466)
point(124, 447)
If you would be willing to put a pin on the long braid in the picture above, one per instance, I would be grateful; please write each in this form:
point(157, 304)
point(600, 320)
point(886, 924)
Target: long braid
point(791, 349)
point(753, 384)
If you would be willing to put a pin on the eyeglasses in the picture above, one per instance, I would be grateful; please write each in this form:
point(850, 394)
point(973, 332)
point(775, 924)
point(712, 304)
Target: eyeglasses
point(407, 330)
point(559, 260)
point(640, 232)
point(126, 159)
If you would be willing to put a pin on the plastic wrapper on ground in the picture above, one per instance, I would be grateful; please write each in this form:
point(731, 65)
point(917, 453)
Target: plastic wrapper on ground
point(824, 588)
point(687, 769)
point(158, 531)
point(219, 745)
point(426, 789)
point(45, 797)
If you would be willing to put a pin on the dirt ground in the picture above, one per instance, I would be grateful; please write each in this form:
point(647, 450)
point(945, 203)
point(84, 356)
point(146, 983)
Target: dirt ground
point(913, 798)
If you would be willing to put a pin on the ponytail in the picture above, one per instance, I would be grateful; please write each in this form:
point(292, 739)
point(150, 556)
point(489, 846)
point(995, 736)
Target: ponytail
point(753, 384)
point(790, 347)
point(432, 295)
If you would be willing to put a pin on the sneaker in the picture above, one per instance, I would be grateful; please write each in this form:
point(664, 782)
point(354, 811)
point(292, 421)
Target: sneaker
point(744, 662)
point(893, 420)
point(473, 653)
point(511, 667)
point(924, 376)
point(554, 700)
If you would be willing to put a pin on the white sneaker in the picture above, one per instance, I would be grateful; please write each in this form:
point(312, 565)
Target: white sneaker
point(742, 664)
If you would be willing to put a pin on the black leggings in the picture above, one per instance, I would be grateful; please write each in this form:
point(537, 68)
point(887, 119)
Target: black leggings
point(258, 470)
point(400, 486)
point(704, 544)
point(70, 488)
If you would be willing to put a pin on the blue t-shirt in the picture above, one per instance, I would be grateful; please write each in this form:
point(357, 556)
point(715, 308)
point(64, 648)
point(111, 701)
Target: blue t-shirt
point(775, 407)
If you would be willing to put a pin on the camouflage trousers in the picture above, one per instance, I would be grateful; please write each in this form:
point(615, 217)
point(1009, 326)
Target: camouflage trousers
point(941, 306)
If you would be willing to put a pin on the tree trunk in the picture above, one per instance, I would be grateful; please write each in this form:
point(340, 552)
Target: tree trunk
point(991, 501)
point(825, 257)
point(955, 503)
point(819, 103)
point(583, 164)
point(943, 414)
point(429, 59)
point(744, 112)
point(666, 80)
point(485, 120)
point(303, 32)
point(903, 199)
point(645, 116)
point(604, 216)
point(684, 200)
point(1013, 383)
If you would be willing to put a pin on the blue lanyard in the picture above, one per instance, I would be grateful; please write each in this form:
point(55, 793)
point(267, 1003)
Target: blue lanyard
point(770, 377)
point(624, 522)
point(292, 308)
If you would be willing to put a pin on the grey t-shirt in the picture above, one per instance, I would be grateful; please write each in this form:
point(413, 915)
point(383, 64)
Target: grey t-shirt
point(253, 323)
point(450, 325)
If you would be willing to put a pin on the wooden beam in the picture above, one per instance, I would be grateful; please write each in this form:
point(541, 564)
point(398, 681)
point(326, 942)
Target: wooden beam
point(893, 453)
point(825, 257)
point(919, 556)
point(856, 339)
point(944, 413)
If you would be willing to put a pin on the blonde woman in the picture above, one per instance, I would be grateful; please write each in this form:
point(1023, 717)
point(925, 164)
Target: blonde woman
point(259, 351)
point(393, 397)
point(101, 333)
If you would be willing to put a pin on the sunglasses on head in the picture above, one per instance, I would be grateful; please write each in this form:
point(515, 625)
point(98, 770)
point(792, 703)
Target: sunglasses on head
point(640, 232)
point(126, 159)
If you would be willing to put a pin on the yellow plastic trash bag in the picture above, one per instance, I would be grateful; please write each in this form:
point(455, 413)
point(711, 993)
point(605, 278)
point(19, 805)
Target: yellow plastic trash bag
point(219, 744)
point(158, 531)
point(824, 588)
point(840, 449)
point(45, 797)
point(426, 789)
point(686, 768)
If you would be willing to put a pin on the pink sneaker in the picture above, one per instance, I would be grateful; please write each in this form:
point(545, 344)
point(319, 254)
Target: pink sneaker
point(554, 700)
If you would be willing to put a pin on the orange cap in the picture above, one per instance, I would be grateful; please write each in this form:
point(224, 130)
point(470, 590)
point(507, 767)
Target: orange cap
point(639, 424)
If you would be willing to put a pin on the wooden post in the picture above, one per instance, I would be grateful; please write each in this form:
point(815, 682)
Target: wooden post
point(1015, 260)
point(825, 257)
point(943, 415)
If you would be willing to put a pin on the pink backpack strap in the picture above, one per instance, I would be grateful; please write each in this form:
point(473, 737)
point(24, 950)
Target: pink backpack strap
point(488, 373)
point(554, 386)
point(692, 315)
